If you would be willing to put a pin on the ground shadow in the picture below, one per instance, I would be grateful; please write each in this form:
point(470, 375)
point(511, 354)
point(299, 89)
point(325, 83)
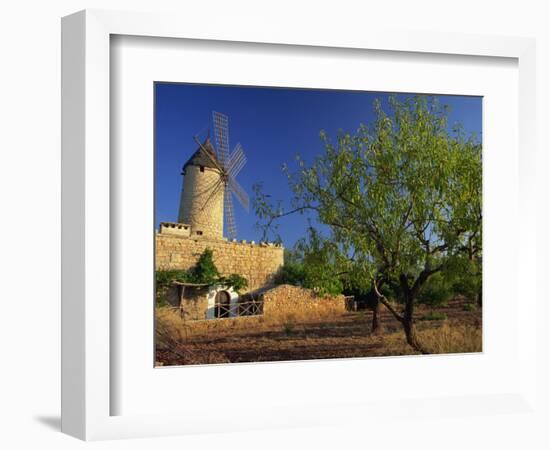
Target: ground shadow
point(51, 422)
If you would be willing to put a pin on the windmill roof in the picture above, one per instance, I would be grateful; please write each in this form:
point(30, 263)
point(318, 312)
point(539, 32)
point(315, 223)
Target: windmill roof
point(201, 158)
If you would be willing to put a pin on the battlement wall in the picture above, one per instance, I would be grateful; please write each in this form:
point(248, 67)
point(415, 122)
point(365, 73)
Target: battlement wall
point(258, 263)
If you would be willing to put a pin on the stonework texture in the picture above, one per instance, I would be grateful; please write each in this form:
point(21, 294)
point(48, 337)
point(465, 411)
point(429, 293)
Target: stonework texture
point(179, 229)
point(201, 202)
point(301, 303)
point(194, 301)
point(258, 263)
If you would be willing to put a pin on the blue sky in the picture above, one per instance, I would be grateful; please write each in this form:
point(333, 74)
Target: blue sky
point(272, 125)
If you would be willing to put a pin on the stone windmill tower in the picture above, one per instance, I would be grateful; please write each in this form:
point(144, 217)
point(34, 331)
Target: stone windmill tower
point(206, 200)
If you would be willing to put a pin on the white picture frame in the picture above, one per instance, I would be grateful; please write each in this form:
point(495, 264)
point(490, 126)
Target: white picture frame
point(87, 386)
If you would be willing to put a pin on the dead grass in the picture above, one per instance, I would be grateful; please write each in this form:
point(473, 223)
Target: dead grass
point(286, 337)
point(444, 339)
point(169, 321)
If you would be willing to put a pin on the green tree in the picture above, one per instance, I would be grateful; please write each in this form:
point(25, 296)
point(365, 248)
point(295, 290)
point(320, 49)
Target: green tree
point(401, 198)
point(314, 264)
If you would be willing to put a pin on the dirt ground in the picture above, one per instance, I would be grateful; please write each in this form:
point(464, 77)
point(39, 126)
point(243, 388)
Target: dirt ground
point(348, 335)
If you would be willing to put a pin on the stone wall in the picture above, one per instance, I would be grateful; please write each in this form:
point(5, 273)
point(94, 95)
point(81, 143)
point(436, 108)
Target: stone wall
point(194, 304)
point(258, 263)
point(179, 229)
point(298, 303)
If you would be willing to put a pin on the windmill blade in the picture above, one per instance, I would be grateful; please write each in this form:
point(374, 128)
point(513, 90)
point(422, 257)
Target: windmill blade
point(229, 213)
point(214, 189)
point(237, 160)
point(239, 192)
point(221, 133)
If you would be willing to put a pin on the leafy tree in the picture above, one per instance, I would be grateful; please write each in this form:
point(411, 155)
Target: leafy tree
point(436, 291)
point(464, 275)
point(313, 264)
point(400, 198)
point(292, 271)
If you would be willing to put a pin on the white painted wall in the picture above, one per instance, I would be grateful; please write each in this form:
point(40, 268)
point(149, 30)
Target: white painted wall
point(234, 298)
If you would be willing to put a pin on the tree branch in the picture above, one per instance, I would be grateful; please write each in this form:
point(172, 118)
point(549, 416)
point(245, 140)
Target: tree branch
point(387, 304)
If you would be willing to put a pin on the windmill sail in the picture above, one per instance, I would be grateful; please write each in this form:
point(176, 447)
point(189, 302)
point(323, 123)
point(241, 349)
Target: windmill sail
point(239, 192)
point(228, 165)
point(221, 134)
point(229, 214)
point(236, 161)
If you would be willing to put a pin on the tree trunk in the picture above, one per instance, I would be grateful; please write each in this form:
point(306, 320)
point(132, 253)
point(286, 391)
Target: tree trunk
point(412, 339)
point(480, 297)
point(410, 329)
point(377, 327)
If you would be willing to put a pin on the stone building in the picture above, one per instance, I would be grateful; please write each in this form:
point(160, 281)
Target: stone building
point(202, 195)
point(200, 226)
point(201, 301)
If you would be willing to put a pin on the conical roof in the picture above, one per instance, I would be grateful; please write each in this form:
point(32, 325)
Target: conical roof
point(201, 157)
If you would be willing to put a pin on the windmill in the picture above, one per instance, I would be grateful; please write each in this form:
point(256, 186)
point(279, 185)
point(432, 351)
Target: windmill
point(207, 197)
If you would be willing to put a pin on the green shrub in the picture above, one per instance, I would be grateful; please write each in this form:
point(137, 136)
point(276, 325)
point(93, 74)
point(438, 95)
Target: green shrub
point(291, 273)
point(465, 276)
point(205, 271)
point(165, 277)
point(469, 307)
point(237, 282)
point(163, 281)
point(434, 315)
point(436, 291)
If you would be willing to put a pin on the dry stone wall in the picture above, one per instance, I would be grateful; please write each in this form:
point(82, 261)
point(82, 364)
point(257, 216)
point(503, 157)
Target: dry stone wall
point(292, 302)
point(258, 263)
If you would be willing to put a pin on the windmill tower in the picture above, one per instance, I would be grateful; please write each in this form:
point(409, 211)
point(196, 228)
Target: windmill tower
point(209, 182)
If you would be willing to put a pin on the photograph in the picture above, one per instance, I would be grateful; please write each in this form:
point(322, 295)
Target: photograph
point(298, 224)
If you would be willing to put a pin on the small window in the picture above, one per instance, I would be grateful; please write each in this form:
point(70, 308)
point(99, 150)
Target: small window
point(202, 168)
point(199, 233)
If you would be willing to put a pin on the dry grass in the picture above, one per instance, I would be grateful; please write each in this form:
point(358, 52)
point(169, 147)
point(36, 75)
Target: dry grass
point(444, 339)
point(287, 337)
point(168, 320)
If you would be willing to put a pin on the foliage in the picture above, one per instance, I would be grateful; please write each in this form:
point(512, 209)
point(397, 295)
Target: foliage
point(204, 272)
point(291, 273)
point(466, 277)
point(163, 280)
point(469, 307)
point(434, 315)
point(459, 275)
point(236, 281)
point(312, 264)
point(165, 277)
point(436, 291)
point(400, 199)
